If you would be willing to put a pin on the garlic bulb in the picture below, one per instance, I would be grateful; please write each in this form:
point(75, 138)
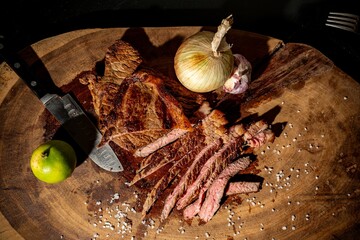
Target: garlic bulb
point(204, 61)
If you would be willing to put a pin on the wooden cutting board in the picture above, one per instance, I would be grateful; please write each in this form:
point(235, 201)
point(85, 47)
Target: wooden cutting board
point(310, 173)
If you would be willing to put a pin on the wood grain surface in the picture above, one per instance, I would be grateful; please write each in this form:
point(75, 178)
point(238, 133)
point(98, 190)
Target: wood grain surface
point(310, 173)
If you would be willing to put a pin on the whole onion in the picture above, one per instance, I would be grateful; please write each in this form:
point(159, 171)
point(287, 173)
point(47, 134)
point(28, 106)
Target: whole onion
point(204, 61)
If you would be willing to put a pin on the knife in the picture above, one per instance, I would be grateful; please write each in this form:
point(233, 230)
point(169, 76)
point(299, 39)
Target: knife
point(65, 109)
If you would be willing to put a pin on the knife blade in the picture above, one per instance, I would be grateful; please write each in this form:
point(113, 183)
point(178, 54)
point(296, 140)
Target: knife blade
point(66, 110)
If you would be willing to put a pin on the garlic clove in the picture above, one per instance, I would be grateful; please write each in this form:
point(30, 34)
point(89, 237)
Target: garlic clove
point(234, 85)
point(239, 81)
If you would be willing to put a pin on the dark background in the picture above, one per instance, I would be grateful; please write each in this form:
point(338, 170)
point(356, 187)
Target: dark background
point(26, 21)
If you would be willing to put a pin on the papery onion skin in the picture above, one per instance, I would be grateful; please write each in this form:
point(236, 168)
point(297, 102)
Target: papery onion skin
point(197, 68)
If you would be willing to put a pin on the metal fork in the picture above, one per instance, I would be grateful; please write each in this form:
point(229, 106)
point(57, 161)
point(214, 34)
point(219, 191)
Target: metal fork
point(344, 21)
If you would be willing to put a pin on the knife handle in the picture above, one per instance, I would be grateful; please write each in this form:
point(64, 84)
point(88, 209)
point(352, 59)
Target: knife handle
point(39, 86)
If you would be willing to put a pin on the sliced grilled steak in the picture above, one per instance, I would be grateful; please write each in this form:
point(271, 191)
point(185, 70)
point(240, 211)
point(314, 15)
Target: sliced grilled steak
point(179, 166)
point(233, 188)
point(238, 130)
point(187, 144)
point(216, 190)
point(207, 131)
point(194, 208)
point(241, 187)
point(212, 167)
point(189, 176)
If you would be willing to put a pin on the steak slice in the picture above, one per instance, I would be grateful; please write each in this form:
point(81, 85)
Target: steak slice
point(241, 187)
point(133, 106)
point(216, 190)
point(160, 142)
